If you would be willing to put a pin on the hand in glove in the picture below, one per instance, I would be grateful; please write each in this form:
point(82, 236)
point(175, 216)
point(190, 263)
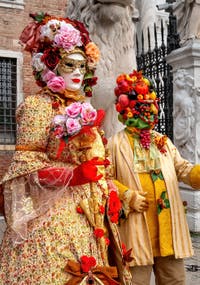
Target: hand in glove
point(54, 176)
point(87, 172)
point(139, 202)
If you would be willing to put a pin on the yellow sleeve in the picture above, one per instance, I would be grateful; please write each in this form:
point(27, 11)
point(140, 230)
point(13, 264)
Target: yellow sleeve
point(121, 188)
point(195, 177)
point(126, 195)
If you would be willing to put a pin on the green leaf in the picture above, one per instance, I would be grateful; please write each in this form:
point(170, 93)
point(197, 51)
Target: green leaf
point(88, 75)
point(66, 139)
point(167, 204)
point(39, 17)
point(154, 176)
point(159, 209)
point(160, 175)
point(162, 196)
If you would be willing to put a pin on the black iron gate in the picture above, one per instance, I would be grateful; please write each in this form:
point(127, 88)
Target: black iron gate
point(154, 65)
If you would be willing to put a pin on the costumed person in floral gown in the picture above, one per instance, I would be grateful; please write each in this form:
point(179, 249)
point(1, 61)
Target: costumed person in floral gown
point(148, 168)
point(61, 207)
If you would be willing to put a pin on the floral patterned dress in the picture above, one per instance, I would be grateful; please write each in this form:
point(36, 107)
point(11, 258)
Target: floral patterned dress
point(57, 235)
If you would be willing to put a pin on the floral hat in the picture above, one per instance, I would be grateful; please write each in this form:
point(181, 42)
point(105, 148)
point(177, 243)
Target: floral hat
point(48, 39)
point(136, 101)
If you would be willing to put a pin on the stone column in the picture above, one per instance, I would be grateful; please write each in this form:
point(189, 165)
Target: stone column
point(185, 63)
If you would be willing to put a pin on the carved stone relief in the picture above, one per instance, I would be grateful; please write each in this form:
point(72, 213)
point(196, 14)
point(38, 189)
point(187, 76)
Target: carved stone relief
point(184, 114)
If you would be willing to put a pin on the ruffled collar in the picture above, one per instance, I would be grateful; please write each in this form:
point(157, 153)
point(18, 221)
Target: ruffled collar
point(144, 159)
point(65, 98)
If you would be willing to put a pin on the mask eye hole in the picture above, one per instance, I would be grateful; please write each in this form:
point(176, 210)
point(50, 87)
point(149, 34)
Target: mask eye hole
point(82, 65)
point(68, 64)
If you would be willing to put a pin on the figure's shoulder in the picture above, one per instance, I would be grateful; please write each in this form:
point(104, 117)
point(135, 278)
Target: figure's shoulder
point(34, 104)
point(116, 138)
point(37, 99)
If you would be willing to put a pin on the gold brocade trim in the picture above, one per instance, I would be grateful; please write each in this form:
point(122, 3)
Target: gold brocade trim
point(29, 148)
point(62, 97)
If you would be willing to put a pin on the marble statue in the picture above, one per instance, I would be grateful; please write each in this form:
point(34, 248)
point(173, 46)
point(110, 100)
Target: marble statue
point(111, 26)
point(188, 20)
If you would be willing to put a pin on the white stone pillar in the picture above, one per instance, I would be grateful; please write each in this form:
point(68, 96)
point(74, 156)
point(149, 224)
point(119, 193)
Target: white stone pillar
point(185, 63)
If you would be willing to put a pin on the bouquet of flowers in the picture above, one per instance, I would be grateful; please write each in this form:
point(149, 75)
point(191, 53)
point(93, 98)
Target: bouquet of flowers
point(76, 116)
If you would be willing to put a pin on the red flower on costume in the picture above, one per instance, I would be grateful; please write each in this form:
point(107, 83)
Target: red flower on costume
point(51, 58)
point(87, 263)
point(98, 232)
point(114, 207)
point(79, 210)
point(107, 241)
point(55, 105)
point(101, 209)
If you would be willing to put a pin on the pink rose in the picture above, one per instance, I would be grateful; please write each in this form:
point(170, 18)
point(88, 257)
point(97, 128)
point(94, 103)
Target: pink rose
point(73, 126)
point(67, 38)
point(73, 110)
point(47, 75)
point(56, 84)
point(88, 114)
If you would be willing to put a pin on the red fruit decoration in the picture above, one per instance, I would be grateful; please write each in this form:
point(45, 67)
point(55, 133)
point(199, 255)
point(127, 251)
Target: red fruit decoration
point(123, 100)
point(118, 107)
point(141, 88)
point(117, 91)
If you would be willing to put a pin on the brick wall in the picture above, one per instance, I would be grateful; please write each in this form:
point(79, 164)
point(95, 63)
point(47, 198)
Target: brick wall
point(12, 22)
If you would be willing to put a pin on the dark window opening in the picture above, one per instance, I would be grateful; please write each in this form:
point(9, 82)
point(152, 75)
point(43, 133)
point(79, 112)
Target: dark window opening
point(8, 100)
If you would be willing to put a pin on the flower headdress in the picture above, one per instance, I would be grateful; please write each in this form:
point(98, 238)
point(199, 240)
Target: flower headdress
point(136, 100)
point(47, 38)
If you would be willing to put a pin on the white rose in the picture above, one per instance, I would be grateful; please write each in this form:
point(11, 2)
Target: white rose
point(37, 63)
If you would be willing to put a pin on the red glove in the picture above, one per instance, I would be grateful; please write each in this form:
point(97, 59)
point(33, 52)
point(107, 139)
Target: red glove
point(54, 176)
point(87, 172)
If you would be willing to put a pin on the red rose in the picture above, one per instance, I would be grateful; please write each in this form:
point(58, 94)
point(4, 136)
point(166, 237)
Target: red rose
point(88, 93)
point(41, 83)
point(92, 81)
point(79, 210)
point(51, 58)
point(114, 218)
point(107, 241)
point(99, 233)
point(101, 209)
point(87, 263)
point(30, 37)
point(114, 202)
point(55, 105)
point(114, 207)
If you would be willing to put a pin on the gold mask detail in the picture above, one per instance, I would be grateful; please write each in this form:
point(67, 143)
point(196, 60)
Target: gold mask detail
point(68, 65)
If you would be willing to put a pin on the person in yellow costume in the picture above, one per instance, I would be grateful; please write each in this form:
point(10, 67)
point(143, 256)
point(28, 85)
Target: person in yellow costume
point(147, 169)
point(61, 208)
